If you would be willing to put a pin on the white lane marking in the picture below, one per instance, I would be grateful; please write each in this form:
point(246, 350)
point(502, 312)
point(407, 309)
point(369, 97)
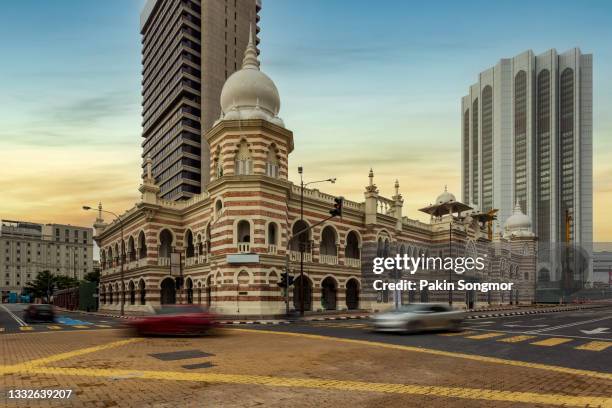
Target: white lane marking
point(14, 316)
point(598, 330)
point(525, 325)
point(571, 324)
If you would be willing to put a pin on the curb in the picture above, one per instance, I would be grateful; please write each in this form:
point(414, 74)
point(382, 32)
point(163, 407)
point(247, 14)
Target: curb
point(528, 312)
point(257, 322)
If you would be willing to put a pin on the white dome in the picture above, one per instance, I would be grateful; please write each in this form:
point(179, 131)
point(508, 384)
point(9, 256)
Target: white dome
point(249, 93)
point(445, 197)
point(518, 223)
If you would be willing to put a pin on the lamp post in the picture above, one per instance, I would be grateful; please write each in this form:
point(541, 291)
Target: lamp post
point(121, 249)
point(302, 185)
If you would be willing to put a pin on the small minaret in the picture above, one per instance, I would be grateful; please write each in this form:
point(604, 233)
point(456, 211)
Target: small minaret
point(99, 225)
point(148, 188)
point(371, 200)
point(398, 202)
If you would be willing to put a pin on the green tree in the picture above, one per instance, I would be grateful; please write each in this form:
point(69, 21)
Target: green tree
point(42, 286)
point(93, 277)
point(65, 282)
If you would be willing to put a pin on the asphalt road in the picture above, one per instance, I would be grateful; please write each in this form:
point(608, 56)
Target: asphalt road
point(577, 339)
point(12, 321)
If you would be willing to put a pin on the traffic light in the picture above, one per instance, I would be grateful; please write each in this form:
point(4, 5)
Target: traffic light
point(283, 281)
point(338, 204)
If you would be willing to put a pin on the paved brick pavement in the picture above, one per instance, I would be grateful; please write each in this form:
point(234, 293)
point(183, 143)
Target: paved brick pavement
point(269, 369)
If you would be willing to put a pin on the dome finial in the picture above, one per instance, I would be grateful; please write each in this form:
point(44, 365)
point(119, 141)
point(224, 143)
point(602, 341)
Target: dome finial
point(250, 54)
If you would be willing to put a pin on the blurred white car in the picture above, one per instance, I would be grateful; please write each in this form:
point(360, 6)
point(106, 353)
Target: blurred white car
point(419, 317)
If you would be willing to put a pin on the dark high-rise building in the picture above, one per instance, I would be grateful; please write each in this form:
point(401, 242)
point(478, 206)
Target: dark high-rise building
point(189, 49)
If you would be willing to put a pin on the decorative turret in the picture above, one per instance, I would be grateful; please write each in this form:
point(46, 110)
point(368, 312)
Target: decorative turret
point(148, 188)
point(371, 200)
point(518, 224)
point(398, 202)
point(99, 225)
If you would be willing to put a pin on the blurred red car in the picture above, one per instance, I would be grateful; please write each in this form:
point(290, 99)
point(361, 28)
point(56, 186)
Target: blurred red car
point(175, 320)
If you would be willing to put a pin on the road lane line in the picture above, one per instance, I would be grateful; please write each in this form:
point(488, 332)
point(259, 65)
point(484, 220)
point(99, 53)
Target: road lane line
point(26, 328)
point(334, 384)
point(80, 326)
point(64, 356)
point(474, 357)
point(563, 326)
point(553, 341)
point(485, 336)
point(54, 327)
point(14, 316)
point(103, 325)
point(516, 339)
point(595, 346)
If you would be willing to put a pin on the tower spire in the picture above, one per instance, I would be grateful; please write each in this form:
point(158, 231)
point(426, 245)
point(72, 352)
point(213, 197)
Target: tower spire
point(250, 60)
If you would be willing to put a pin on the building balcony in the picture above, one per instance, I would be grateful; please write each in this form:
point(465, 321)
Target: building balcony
point(272, 249)
point(203, 258)
point(244, 247)
point(191, 261)
point(163, 261)
point(294, 256)
point(328, 259)
point(352, 262)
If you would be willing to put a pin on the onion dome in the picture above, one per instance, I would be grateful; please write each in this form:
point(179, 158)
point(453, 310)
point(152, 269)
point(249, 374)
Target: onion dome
point(518, 223)
point(445, 197)
point(249, 93)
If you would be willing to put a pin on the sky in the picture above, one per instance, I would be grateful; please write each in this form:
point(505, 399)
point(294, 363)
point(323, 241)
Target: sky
point(363, 85)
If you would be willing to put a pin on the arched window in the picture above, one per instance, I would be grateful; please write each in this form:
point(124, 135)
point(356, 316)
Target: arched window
point(272, 163)
point(165, 244)
point(328, 241)
point(386, 249)
point(543, 149)
point(244, 163)
point(566, 148)
point(302, 241)
point(132, 290)
point(218, 164)
point(475, 155)
point(143, 291)
point(520, 139)
point(272, 234)
point(103, 259)
point(190, 248)
point(544, 275)
point(487, 148)
point(243, 231)
point(189, 286)
point(142, 246)
point(131, 249)
point(352, 246)
point(379, 247)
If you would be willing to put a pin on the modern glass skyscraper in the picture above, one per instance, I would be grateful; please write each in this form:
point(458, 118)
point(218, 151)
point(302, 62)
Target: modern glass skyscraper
point(527, 138)
point(189, 49)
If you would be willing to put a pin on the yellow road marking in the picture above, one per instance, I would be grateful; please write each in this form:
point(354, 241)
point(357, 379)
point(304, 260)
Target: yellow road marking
point(553, 341)
point(462, 333)
point(516, 339)
point(63, 356)
point(595, 346)
point(474, 357)
point(102, 325)
point(26, 328)
point(332, 384)
point(1, 329)
point(485, 336)
point(54, 327)
point(80, 326)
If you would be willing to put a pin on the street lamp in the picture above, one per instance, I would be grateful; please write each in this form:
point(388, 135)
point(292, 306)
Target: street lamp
point(302, 185)
point(88, 208)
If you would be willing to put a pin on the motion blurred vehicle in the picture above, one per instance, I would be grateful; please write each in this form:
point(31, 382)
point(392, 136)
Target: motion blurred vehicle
point(39, 313)
point(175, 320)
point(418, 317)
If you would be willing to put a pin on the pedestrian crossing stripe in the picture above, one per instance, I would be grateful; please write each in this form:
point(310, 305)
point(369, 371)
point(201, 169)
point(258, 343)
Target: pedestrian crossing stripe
point(553, 341)
point(1, 329)
point(595, 346)
point(485, 336)
point(516, 339)
point(102, 325)
point(26, 328)
point(54, 327)
point(463, 333)
point(80, 326)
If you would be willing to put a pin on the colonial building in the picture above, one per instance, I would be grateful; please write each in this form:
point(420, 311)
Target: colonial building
point(229, 245)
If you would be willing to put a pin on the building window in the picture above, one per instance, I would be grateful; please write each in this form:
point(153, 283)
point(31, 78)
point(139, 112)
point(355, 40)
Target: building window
point(487, 148)
point(475, 161)
point(566, 148)
point(543, 145)
point(520, 139)
point(244, 163)
point(272, 163)
point(466, 155)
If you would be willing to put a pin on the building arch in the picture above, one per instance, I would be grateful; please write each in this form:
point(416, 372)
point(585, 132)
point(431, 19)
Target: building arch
point(243, 231)
point(328, 244)
point(167, 291)
point(544, 275)
point(273, 277)
point(329, 292)
point(297, 285)
point(189, 244)
point(166, 243)
point(132, 291)
point(243, 277)
point(304, 239)
point(352, 293)
point(142, 245)
point(352, 247)
point(243, 159)
point(272, 233)
point(189, 290)
point(142, 289)
point(131, 249)
point(272, 161)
